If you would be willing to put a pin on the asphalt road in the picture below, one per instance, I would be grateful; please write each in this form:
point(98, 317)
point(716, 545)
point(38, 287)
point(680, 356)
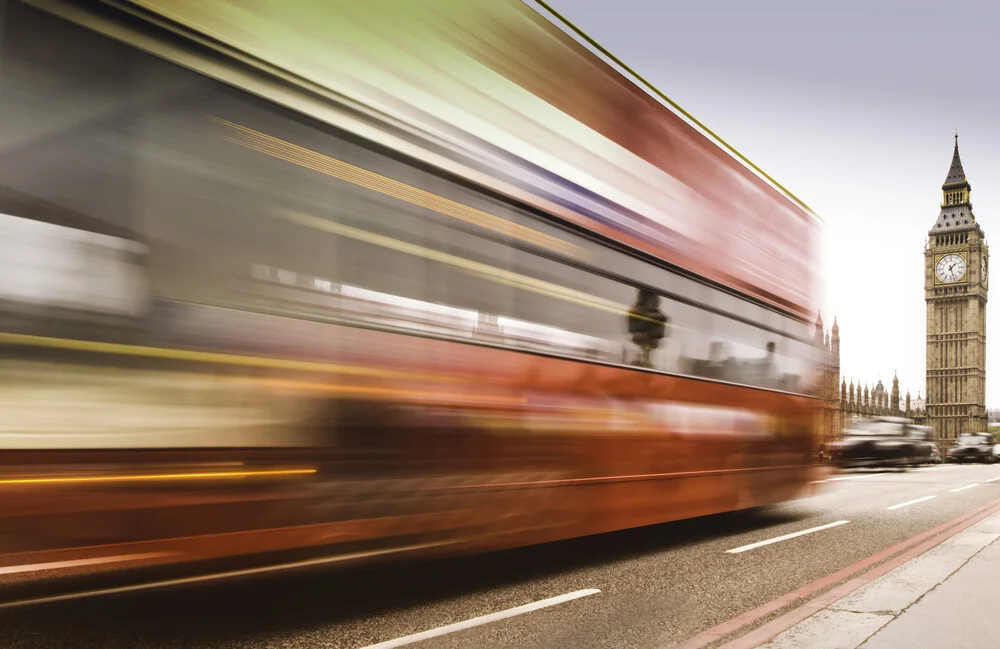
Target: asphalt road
point(658, 586)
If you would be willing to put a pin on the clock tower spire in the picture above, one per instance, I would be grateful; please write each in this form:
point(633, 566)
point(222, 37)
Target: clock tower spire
point(955, 291)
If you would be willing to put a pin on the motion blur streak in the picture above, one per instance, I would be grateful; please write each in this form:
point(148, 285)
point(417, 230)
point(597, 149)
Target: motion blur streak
point(496, 79)
point(338, 169)
point(388, 392)
point(240, 329)
point(76, 563)
point(488, 272)
point(197, 356)
point(160, 476)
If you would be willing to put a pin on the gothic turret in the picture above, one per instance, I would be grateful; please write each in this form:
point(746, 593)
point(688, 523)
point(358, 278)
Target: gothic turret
point(956, 206)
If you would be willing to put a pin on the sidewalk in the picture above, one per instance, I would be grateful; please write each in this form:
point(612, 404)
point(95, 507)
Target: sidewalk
point(944, 599)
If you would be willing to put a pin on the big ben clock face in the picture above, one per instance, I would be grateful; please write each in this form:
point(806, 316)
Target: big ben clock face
point(950, 268)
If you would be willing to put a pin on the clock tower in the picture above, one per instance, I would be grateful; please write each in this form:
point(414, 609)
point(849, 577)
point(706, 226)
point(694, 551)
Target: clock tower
point(955, 284)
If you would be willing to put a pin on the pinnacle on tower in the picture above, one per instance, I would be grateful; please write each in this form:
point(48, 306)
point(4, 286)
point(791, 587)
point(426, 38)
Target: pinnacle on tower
point(956, 174)
point(956, 206)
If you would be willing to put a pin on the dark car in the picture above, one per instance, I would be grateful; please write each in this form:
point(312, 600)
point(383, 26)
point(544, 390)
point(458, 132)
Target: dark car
point(886, 441)
point(972, 447)
point(923, 439)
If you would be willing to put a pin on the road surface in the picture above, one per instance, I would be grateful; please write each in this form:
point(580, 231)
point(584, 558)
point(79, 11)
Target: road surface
point(651, 587)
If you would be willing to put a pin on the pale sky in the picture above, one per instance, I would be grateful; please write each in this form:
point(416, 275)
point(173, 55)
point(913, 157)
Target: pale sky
point(852, 106)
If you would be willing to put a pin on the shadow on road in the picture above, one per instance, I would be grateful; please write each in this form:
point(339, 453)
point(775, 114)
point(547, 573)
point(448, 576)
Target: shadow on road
point(245, 613)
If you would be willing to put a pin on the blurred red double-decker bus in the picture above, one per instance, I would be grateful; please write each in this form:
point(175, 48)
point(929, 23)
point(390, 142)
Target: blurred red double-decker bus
point(366, 287)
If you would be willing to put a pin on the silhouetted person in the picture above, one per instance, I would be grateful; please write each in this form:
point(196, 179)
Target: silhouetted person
point(647, 325)
point(769, 367)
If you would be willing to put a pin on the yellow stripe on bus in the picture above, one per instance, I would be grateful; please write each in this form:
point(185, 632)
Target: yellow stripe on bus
point(202, 357)
point(157, 476)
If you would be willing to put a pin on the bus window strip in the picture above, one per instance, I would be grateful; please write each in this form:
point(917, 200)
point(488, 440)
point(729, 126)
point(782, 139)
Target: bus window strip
point(491, 272)
point(359, 319)
point(515, 280)
point(266, 362)
point(507, 328)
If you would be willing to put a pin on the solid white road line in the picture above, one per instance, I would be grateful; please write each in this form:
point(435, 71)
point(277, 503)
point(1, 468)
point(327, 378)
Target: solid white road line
point(483, 619)
point(911, 502)
point(744, 548)
point(76, 563)
point(855, 477)
point(968, 486)
point(992, 479)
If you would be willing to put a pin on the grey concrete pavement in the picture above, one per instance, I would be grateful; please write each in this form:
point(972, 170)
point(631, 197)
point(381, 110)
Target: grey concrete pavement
point(941, 599)
point(659, 585)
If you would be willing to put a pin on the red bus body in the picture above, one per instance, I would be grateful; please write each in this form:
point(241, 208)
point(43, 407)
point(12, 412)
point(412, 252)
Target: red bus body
point(273, 333)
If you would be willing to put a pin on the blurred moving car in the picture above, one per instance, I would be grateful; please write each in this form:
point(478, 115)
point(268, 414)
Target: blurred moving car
point(885, 441)
point(973, 447)
point(935, 457)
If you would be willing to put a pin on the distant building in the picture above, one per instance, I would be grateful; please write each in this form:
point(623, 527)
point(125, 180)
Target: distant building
point(844, 403)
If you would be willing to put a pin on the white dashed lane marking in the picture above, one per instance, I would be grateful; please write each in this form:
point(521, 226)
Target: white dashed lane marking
point(483, 619)
point(785, 537)
point(911, 502)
